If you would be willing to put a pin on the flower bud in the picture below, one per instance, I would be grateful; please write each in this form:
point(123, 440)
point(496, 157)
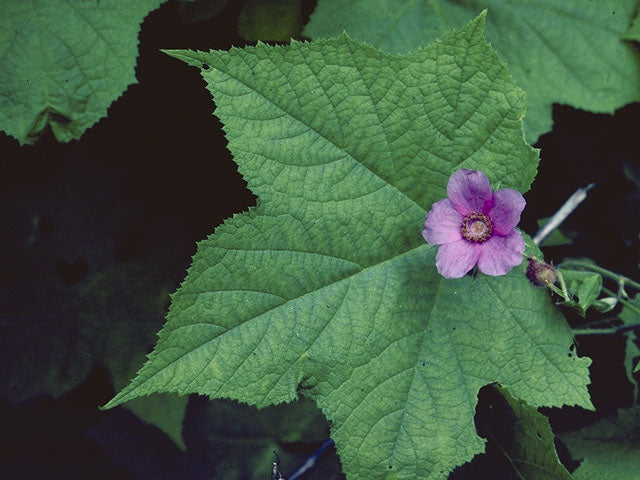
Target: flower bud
point(540, 273)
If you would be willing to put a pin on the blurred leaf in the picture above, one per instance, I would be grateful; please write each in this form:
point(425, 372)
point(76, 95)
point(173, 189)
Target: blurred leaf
point(559, 51)
point(630, 316)
point(64, 62)
point(555, 238)
point(522, 435)
point(192, 11)
point(165, 411)
point(609, 448)
point(67, 303)
point(270, 20)
point(239, 440)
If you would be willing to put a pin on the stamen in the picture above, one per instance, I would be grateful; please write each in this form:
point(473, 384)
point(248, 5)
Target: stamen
point(476, 227)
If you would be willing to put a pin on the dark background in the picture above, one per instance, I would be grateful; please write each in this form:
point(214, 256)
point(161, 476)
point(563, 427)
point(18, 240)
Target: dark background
point(153, 178)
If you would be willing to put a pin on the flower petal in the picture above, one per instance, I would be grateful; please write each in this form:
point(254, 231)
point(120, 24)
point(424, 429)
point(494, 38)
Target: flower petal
point(455, 259)
point(469, 191)
point(501, 254)
point(442, 224)
point(505, 213)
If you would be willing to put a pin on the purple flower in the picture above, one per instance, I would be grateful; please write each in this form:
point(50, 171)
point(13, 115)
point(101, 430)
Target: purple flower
point(475, 225)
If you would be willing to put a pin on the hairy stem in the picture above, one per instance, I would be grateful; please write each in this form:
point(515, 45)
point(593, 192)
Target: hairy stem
point(621, 280)
point(605, 331)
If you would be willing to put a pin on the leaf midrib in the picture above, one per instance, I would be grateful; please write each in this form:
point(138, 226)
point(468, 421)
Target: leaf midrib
point(124, 395)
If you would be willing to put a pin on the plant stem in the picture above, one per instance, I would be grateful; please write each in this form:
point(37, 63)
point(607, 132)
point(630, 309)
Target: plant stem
point(605, 331)
point(563, 286)
point(621, 280)
point(562, 291)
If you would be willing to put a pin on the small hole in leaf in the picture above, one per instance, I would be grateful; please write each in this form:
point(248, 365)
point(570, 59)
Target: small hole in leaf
point(390, 467)
point(424, 364)
point(539, 435)
point(205, 66)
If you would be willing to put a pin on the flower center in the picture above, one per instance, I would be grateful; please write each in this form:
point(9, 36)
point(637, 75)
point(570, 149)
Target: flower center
point(476, 227)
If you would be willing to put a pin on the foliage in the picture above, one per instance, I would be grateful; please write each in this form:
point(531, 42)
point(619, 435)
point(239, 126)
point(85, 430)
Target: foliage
point(608, 448)
point(327, 289)
point(77, 306)
point(199, 10)
point(64, 62)
point(324, 292)
point(585, 286)
point(242, 438)
point(558, 51)
point(270, 20)
point(555, 238)
point(630, 316)
point(521, 434)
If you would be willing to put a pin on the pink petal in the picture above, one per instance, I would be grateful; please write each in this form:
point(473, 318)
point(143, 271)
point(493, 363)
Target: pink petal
point(505, 213)
point(469, 191)
point(442, 224)
point(501, 254)
point(455, 259)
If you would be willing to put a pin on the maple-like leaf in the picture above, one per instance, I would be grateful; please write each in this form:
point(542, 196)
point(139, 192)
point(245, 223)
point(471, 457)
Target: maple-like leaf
point(327, 289)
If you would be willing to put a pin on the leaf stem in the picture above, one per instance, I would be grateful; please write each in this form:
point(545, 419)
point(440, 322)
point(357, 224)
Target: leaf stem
point(507, 456)
point(605, 331)
point(562, 291)
point(621, 280)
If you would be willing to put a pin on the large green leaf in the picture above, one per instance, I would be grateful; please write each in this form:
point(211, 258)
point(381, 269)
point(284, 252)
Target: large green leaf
point(64, 62)
point(558, 51)
point(327, 289)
